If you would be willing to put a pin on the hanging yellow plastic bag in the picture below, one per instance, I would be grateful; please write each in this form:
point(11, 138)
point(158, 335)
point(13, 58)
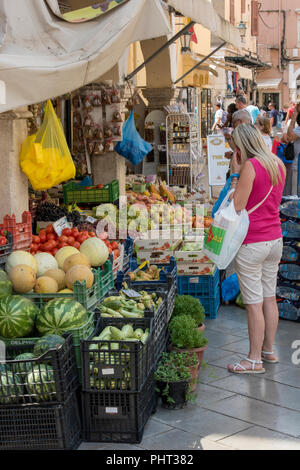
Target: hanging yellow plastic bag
point(45, 156)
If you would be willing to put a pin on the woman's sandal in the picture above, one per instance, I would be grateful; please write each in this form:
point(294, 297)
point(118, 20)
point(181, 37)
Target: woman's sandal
point(247, 371)
point(266, 353)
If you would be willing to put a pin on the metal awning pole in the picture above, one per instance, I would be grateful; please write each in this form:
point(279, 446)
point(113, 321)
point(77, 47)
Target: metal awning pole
point(201, 62)
point(167, 44)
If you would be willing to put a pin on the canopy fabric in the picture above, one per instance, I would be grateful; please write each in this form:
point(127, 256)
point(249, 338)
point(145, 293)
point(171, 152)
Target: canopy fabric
point(245, 73)
point(203, 12)
point(269, 83)
point(42, 56)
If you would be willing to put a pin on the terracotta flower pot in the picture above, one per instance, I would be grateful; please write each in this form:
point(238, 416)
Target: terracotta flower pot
point(198, 351)
point(201, 327)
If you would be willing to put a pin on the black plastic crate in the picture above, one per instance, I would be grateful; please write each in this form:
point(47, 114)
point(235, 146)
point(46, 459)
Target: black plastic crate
point(128, 252)
point(6, 250)
point(116, 368)
point(161, 345)
point(159, 315)
point(41, 427)
point(54, 375)
point(118, 417)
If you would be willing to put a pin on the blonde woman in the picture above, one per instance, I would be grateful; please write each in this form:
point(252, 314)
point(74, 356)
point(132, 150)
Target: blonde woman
point(261, 182)
point(264, 125)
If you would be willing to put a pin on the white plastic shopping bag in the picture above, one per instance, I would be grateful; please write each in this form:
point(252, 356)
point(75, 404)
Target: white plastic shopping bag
point(226, 234)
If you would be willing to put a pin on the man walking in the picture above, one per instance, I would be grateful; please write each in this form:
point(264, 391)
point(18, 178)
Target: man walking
point(273, 116)
point(241, 104)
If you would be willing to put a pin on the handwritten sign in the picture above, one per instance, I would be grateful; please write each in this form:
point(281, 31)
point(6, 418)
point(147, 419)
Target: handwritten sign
point(217, 163)
point(60, 225)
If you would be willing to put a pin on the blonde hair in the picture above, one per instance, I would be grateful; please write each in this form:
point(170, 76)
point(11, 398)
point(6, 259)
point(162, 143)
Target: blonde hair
point(252, 144)
point(265, 125)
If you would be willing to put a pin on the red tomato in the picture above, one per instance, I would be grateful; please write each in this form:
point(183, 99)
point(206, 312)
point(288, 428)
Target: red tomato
point(82, 238)
point(63, 239)
point(48, 246)
point(92, 234)
point(114, 245)
point(76, 245)
point(62, 244)
point(110, 250)
point(51, 236)
point(116, 253)
point(34, 247)
point(75, 232)
point(71, 240)
point(67, 232)
point(43, 236)
point(84, 232)
point(54, 251)
point(36, 239)
point(49, 229)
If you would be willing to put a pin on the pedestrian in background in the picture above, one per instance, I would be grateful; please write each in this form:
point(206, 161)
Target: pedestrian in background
point(260, 183)
point(264, 126)
point(218, 117)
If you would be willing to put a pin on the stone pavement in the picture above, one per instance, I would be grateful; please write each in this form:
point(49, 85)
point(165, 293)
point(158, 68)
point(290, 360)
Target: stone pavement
point(260, 412)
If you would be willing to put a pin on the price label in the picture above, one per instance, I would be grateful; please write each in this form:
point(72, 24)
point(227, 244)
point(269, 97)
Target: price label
point(111, 410)
point(131, 293)
point(91, 220)
point(60, 225)
point(108, 371)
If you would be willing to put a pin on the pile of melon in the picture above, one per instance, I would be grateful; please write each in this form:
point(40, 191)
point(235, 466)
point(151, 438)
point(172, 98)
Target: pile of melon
point(46, 274)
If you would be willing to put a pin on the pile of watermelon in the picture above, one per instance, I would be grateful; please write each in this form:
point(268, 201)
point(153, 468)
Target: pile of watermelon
point(26, 376)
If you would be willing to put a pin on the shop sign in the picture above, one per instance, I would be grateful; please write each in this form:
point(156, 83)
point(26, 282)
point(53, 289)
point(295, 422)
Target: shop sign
point(217, 163)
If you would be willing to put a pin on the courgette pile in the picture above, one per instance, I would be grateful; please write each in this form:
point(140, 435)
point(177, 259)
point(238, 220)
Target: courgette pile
point(120, 306)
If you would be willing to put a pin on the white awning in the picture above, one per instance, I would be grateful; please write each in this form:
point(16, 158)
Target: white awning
point(203, 12)
point(269, 83)
point(245, 73)
point(43, 56)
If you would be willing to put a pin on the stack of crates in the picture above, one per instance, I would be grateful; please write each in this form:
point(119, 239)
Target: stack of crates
point(206, 288)
point(38, 402)
point(118, 394)
point(288, 290)
point(21, 232)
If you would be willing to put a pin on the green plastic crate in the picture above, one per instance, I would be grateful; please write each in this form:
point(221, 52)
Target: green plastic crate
point(106, 279)
point(86, 297)
point(139, 187)
point(74, 193)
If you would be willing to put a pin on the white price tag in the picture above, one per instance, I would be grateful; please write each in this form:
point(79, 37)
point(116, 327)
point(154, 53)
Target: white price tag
point(108, 371)
point(111, 411)
point(194, 280)
point(60, 225)
point(91, 220)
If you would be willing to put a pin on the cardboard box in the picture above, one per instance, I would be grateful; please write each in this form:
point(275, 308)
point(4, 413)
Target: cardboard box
point(184, 269)
point(156, 245)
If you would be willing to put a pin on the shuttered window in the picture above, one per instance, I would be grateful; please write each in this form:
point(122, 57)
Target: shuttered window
point(232, 15)
point(254, 18)
point(243, 7)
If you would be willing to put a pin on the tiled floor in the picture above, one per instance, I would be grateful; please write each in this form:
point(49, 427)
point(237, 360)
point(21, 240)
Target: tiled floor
point(232, 412)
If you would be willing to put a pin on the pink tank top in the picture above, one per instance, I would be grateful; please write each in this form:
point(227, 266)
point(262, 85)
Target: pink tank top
point(265, 221)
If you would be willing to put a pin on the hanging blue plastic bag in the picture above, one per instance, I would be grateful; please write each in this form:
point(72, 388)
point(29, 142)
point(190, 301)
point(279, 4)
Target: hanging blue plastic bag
point(132, 147)
point(230, 288)
point(222, 196)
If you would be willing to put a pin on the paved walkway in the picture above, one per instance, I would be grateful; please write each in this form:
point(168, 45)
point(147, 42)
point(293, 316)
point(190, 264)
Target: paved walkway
point(232, 412)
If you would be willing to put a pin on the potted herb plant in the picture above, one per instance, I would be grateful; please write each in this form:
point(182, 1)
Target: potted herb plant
point(185, 337)
point(188, 305)
point(173, 380)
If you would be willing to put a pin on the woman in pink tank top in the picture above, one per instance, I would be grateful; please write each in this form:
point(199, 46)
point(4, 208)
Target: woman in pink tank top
point(259, 187)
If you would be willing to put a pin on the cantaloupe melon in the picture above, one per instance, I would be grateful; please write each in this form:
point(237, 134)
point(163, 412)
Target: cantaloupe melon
point(23, 278)
point(74, 260)
point(79, 273)
point(45, 261)
point(20, 257)
point(63, 254)
point(59, 276)
point(95, 250)
point(46, 285)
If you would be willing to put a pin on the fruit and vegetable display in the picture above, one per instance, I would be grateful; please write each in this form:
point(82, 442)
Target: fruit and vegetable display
point(120, 306)
point(151, 273)
point(111, 349)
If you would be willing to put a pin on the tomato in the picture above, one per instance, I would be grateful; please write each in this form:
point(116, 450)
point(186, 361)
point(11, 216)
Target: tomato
point(48, 246)
point(110, 250)
point(76, 245)
point(51, 236)
point(49, 229)
point(67, 232)
point(100, 186)
point(84, 232)
point(114, 245)
point(71, 240)
point(116, 253)
point(54, 251)
point(92, 234)
point(61, 245)
point(34, 247)
point(43, 236)
point(36, 239)
point(82, 238)
point(63, 239)
point(74, 232)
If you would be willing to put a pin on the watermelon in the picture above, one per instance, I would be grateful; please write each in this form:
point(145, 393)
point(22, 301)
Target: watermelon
point(10, 388)
point(17, 316)
point(47, 342)
point(60, 316)
point(4, 367)
point(22, 368)
point(40, 383)
point(5, 284)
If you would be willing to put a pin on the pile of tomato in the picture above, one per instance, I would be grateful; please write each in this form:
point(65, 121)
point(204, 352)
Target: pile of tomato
point(48, 241)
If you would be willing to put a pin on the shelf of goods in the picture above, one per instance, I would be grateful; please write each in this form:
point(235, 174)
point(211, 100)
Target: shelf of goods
point(288, 290)
point(183, 148)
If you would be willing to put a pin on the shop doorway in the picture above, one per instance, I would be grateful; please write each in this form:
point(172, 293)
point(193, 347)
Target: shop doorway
point(272, 97)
